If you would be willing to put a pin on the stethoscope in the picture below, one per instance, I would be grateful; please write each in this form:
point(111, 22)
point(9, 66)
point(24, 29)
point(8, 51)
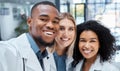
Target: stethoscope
point(23, 59)
point(23, 64)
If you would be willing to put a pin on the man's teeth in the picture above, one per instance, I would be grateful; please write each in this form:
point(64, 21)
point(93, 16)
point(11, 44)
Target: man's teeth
point(49, 33)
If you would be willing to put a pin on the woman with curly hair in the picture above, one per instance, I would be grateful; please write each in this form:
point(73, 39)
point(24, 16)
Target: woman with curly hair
point(94, 48)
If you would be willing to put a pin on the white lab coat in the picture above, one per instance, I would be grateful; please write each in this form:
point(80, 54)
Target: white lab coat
point(97, 66)
point(50, 63)
point(17, 55)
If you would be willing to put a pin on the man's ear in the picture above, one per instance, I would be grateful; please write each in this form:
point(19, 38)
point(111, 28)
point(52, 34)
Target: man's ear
point(29, 21)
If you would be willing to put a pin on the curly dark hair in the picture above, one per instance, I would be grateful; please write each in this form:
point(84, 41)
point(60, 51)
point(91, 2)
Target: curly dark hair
point(106, 40)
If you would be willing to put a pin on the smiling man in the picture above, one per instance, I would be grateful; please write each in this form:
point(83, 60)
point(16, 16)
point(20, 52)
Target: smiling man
point(28, 51)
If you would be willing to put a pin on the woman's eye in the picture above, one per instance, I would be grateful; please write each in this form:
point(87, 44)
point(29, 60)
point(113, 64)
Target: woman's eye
point(71, 29)
point(81, 40)
point(92, 41)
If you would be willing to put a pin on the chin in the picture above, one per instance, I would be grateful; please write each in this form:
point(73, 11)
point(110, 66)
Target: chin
point(45, 43)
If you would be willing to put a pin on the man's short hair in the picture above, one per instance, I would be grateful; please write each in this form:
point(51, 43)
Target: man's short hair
point(43, 3)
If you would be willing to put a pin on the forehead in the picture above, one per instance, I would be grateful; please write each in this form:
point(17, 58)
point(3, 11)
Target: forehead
point(46, 10)
point(88, 34)
point(66, 22)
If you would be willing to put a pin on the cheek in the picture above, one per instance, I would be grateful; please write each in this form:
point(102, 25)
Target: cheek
point(79, 46)
point(57, 27)
point(31, 27)
point(73, 36)
point(57, 37)
point(59, 34)
point(37, 25)
point(96, 47)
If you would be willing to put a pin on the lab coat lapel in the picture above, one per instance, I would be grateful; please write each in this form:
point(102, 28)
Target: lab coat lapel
point(97, 66)
point(79, 66)
point(31, 61)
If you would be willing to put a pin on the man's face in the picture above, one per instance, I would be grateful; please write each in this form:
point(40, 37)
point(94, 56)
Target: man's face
point(44, 24)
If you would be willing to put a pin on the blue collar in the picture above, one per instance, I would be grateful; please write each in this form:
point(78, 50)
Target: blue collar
point(57, 56)
point(33, 44)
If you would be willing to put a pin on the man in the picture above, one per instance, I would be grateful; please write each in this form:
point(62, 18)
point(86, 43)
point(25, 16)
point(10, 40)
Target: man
point(28, 51)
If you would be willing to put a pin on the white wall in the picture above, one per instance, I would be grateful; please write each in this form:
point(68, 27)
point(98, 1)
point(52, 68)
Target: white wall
point(8, 23)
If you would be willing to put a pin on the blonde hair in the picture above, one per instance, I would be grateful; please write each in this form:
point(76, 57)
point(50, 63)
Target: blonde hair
point(68, 16)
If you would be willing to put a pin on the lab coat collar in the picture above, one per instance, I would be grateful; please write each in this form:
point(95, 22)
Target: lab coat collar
point(27, 53)
point(50, 63)
point(97, 66)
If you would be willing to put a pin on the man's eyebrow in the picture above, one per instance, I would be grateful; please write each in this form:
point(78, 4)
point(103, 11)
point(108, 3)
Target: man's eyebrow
point(43, 16)
point(57, 18)
point(48, 16)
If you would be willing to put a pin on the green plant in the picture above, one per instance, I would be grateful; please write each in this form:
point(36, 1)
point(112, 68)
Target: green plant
point(23, 27)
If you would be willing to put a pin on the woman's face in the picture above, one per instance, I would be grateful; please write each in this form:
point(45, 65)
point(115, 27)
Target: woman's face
point(88, 44)
point(66, 33)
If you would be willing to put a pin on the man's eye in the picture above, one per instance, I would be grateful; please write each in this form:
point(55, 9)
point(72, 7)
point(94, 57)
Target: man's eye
point(61, 28)
point(56, 22)
point(42, 19)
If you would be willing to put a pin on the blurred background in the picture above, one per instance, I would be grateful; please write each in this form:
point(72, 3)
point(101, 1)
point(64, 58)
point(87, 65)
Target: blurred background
point(13, 15)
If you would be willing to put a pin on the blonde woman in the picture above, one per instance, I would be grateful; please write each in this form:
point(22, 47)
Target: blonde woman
point(63, 49)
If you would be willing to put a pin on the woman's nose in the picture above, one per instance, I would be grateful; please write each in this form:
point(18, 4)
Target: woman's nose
point(87, 45)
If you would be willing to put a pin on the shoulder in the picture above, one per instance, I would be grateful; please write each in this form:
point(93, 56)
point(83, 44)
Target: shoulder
point(78, 66)
point(10, 46)
point(7, 49)
point(109, 66)
point(8, 53)
point(106, 65)
point(8, 56)
point(69, 61)
point(5, 45)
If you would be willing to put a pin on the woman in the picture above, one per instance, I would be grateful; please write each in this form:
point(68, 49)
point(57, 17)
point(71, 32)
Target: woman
point(63, 48)
point(94, 48)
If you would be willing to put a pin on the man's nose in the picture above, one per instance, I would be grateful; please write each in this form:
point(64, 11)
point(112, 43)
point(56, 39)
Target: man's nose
point(50, 25)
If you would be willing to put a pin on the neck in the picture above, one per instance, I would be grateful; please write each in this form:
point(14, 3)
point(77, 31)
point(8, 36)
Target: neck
point(41, 47)
point(91, 60)
point(60, 50)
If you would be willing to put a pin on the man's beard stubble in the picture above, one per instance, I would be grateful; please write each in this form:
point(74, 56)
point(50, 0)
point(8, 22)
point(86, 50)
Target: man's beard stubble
point(43, 43)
